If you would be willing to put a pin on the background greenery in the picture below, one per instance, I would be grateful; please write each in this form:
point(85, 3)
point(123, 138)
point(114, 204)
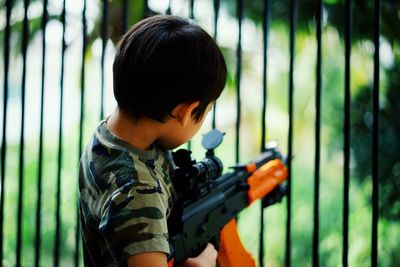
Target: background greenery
point(277, 121)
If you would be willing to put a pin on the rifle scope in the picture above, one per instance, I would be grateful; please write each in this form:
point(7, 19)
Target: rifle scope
point(193, 177)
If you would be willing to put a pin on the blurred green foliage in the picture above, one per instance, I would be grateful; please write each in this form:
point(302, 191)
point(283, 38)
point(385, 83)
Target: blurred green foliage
point(332, 137)
point(389, 142)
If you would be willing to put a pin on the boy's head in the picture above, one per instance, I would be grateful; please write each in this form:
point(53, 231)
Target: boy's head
point(165, 61)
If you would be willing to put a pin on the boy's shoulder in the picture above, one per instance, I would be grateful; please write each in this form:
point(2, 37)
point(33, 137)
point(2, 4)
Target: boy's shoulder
point(108, 155)
point(121, 188)
point(110, 165)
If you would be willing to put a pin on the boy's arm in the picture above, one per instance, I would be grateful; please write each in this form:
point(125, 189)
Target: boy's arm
point(158, 259)
point(148, 259)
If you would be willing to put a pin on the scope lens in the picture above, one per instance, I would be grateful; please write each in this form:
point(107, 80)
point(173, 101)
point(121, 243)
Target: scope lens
point(208, 167)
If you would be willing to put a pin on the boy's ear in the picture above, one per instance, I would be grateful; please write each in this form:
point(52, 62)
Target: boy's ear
point(183, 112)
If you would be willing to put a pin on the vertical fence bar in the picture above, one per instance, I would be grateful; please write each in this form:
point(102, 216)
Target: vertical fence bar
point(146, 9)
point(25, 37)
point(239, 7)
point(4, 132)
point(346, 128)
point(375, 137)
point(104, 39)
point(317, 135)
point(265, 24)
point(169, 11)
point(125, 16)
point(216, 16)
point(191, 16)
point(293, 12)
point(81, 120)
point(191, 9)
point(57, 238)
point(40, 156)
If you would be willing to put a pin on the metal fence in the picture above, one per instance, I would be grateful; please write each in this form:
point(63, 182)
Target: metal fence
point(292, 6)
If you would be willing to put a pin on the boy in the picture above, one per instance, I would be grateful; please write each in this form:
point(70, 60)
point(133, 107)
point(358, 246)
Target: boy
point(167, 74)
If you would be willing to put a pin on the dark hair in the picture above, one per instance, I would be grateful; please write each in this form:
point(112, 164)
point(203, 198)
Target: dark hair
point(163, 61)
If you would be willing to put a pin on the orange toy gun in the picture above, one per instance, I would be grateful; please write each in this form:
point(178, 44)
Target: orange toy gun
point(210, 201)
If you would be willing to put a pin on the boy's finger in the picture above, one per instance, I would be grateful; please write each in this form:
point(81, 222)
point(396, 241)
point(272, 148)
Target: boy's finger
point(211, 249)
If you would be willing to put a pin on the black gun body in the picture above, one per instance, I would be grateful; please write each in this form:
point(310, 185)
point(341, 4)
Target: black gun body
point(193, 224)
point(202, 221)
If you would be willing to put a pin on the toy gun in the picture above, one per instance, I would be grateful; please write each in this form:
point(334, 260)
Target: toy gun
point(211, 201)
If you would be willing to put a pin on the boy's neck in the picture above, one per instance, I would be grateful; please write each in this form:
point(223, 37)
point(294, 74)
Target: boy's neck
point(140, 133)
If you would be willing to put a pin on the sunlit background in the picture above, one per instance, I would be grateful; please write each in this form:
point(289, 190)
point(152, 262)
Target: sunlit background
point(277, 120)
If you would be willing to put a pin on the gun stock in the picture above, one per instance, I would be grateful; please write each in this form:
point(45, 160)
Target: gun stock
point(232, 253)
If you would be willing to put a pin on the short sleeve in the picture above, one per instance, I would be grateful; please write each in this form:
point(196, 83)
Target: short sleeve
point(134, 221)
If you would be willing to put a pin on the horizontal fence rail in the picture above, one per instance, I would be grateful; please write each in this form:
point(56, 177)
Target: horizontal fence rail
point(238, 75)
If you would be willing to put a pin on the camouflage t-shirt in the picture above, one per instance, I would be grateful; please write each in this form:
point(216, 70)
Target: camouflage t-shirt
point(125, 198)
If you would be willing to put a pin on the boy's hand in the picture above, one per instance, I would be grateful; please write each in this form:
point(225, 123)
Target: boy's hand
point(208, 258)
